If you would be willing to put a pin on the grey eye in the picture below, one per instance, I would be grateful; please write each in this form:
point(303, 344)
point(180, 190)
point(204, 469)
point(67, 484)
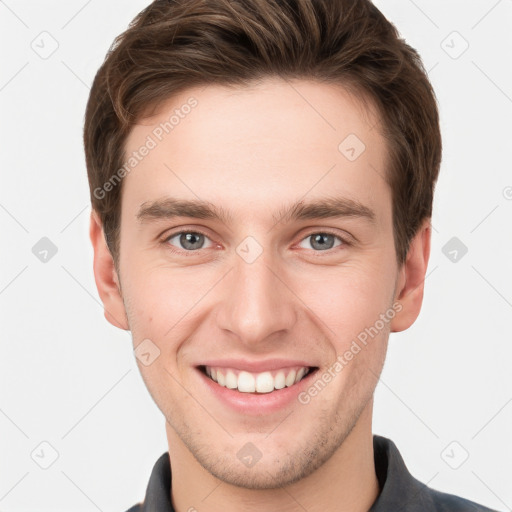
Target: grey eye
point(189, 240)
point(322, 241)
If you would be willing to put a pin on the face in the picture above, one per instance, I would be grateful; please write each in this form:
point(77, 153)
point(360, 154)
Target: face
point(256, 251)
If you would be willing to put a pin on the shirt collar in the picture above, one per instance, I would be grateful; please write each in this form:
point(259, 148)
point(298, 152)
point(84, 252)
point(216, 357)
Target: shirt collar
point(399, 490)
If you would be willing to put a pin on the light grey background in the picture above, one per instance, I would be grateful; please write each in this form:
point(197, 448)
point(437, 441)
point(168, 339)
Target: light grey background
point(68, 378)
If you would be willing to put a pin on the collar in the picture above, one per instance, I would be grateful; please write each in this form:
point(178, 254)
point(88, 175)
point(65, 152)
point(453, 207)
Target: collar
point(399, 490)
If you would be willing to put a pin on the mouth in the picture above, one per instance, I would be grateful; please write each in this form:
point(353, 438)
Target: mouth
point(264, 382)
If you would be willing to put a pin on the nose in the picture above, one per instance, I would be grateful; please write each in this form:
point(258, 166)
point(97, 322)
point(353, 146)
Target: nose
point(258, 302)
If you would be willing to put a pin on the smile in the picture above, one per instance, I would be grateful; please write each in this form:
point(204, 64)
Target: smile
point(262, 382)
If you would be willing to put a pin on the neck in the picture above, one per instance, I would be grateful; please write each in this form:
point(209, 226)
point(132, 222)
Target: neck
point(347, 482)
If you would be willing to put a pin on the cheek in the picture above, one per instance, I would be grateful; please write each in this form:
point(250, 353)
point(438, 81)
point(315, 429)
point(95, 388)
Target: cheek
point(162, 303)
point(149, 284)
point(349, 298)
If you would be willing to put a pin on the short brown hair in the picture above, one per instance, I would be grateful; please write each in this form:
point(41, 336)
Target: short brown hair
point(173, 45)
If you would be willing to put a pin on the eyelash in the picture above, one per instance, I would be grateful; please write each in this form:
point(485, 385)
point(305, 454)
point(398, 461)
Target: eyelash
point(344, 241)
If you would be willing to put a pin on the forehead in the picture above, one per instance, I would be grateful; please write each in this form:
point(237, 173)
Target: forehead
point(248, 146)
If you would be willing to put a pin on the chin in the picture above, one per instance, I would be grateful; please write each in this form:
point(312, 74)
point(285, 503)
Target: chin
point(269, 463)
point(263, 476)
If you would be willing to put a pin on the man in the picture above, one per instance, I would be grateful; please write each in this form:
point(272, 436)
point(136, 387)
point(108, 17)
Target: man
point(262, 175)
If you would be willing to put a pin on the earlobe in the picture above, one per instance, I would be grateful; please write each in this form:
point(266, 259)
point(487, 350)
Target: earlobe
point(105, 275)
point(410, 283)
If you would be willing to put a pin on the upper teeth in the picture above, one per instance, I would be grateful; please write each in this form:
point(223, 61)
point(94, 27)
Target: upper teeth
point(264, 382)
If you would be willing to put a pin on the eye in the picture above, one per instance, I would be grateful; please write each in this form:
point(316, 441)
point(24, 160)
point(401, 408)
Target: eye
point(188, 240)
point(322, 241)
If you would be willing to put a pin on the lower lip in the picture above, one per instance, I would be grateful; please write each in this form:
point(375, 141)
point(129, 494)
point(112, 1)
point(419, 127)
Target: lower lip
point(257, 403)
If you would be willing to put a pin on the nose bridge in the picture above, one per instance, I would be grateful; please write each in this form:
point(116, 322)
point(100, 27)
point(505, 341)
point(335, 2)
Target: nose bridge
point(257, 303)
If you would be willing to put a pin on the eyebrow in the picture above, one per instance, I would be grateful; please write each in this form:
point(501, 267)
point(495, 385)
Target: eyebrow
point(323, 208)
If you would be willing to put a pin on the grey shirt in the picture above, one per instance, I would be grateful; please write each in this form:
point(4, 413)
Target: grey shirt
point(399, 490)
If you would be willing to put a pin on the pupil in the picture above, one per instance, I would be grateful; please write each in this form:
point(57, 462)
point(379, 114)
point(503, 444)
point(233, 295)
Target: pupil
point(320, 240)
point(190, 240)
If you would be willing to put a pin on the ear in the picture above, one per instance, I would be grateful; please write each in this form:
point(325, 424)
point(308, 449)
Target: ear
point(105, 275)
point(411, 278)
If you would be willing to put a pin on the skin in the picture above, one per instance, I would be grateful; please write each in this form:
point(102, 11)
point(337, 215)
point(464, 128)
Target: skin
point(254, 150)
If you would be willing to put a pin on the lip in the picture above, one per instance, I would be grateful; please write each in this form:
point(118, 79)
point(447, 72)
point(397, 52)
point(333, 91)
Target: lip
point(255, 404)
point(256, 366)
